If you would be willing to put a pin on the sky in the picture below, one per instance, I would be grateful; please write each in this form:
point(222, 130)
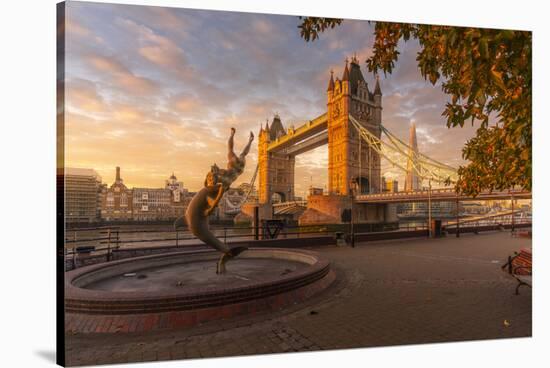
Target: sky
point(156, 90)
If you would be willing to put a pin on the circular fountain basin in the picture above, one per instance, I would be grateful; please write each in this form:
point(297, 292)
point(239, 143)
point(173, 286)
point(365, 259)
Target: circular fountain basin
point(182, 289)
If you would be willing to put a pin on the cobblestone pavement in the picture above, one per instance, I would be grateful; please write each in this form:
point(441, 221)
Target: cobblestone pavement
point(386, 293)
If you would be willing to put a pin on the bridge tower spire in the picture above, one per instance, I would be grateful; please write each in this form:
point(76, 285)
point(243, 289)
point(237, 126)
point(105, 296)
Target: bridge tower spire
point(330, 87)
point(275, 169)
point(348, 159)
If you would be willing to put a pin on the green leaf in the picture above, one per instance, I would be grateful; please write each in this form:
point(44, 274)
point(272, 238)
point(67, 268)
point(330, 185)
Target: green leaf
point(483, 48)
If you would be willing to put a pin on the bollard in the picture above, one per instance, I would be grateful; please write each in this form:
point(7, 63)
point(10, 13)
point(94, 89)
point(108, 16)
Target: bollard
point(457, 218)
point(256, 223)
point(340, 241)
point(109, 245)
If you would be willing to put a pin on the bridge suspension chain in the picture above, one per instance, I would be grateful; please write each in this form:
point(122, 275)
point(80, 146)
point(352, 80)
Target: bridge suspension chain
point(396, 150)
point(251, 187)
point(425, 169)
point(237, 207)
point(419, 156)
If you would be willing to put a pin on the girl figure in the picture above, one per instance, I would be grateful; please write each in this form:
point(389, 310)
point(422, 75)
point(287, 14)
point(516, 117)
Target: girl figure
point(196, 216)
point(205, 201)
point(235, 164)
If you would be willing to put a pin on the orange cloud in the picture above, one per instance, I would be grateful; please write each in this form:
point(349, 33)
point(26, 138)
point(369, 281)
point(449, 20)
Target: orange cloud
point(73, 28)
point(158, 49)
point(83, 94)
point(126, 113)
point(187, 103)
point(122, 76)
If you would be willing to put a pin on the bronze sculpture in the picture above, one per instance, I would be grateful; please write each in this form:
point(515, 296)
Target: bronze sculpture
point(217, 182)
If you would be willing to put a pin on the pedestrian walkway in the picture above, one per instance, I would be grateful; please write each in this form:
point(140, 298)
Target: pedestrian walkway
point(386, 293)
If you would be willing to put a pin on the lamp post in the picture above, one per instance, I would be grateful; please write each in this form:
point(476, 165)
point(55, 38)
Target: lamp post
point(457, 218)
point(352, 191)
point(430, 208)
point(513, 222)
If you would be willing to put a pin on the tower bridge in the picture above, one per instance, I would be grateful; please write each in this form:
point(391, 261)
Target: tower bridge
point(352, 128)
point(278, 148)
point(349, 155)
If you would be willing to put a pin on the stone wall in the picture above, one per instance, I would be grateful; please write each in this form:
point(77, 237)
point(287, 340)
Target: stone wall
point(323, 209)
point(327, 209)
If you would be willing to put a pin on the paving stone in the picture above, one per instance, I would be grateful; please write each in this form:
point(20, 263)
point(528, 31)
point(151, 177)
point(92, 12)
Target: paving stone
point(386, 293)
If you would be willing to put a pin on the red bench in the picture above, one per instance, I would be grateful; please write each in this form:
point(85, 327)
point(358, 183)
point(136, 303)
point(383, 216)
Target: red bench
point(522, 233)
point(519, 266)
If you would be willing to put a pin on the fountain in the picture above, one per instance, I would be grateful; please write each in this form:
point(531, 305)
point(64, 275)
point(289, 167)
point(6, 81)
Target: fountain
point(186, 288)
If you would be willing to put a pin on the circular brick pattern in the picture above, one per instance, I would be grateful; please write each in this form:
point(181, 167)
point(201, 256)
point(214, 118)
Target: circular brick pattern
point(106, 311)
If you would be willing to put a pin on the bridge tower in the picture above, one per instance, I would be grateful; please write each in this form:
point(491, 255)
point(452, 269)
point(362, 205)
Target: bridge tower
point(349, 157)
point(276, 170)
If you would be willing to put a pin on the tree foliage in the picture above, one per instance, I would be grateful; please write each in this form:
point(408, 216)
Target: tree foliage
point(311, 27)
point(487, 75)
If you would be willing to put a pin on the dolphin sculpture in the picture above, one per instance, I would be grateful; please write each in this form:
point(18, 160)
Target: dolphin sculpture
point(204, 202)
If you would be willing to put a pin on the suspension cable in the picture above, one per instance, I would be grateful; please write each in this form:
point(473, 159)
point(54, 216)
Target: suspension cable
point(424, 166)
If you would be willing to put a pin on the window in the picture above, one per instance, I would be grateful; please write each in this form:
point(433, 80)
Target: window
point(110, 199)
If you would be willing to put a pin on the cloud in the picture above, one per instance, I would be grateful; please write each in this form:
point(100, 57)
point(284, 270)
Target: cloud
point(175, 21)
point(263, 27)
point(129, 114)
point(121, 76)
point(188, 106)
point(83, 94)
point(162, 90)
point(158, 49)
point(186, 103)
point(73, 28)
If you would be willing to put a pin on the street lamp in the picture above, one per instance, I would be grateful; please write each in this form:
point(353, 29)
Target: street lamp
point(352, 191)
point(513, 223)
point(430, 208)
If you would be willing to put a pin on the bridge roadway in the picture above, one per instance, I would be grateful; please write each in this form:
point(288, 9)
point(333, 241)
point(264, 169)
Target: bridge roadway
point(438, 195)
point(306, 145)
point(289, 208)
point(308, 130)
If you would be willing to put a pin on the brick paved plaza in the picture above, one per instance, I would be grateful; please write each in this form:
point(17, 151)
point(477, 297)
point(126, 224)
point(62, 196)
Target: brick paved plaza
point(409, 291)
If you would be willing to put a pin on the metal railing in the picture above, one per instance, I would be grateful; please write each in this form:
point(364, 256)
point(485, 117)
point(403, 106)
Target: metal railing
point(107, 239)
point(103, 241)
point(290, 203)
point(512, 221)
